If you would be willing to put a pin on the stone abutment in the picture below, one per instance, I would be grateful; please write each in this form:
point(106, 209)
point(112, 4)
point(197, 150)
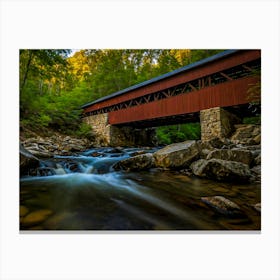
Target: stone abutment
point(111, 135)
point(217, 122)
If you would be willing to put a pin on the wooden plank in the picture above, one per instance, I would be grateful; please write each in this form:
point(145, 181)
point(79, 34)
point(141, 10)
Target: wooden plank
point(221, 95)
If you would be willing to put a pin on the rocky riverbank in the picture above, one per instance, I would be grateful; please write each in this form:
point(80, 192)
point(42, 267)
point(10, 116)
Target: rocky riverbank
point(235, 159)
point(35, 149)
point(57, 144)
point(230, 162)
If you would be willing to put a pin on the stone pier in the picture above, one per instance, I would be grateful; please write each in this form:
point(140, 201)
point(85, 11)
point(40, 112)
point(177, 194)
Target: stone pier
point(110, 135)
point(216, 122)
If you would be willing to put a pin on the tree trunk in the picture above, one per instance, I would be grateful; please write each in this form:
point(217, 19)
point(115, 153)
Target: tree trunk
point(26, 70)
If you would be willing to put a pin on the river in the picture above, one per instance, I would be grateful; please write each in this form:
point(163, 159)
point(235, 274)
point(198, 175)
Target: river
point(85, 193)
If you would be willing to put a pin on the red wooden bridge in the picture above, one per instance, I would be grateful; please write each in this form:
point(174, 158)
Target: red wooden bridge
point(218, 81)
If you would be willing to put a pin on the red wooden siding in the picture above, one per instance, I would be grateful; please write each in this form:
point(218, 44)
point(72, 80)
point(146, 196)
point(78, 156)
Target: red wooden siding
point(222, 95)
point(196, 73)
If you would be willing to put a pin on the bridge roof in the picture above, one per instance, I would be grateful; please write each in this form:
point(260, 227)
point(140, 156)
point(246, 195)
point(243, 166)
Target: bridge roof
point(164, 76)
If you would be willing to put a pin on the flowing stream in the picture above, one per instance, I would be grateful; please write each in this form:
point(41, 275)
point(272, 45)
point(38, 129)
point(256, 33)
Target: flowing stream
point(85, 193)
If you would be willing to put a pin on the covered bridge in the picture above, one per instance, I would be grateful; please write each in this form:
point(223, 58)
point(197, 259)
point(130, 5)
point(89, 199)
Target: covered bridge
point(206, 90)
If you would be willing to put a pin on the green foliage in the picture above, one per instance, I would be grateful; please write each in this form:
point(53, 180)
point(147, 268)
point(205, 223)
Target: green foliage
point(178, 133)
point(44, 66)
point(84, 130)
point(254, 90)
point(54, 86)
point(45, 120)
point(252, 120)
point(163, 136)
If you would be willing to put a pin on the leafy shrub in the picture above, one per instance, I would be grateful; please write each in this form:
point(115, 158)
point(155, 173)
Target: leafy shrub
point(44, 120)
point(252, 120)
point(178, 133)
point(85, 130)
point(162, 136)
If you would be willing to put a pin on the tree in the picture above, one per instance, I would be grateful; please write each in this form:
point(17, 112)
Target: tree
point(54, 86)
point(79, 66)
point(41, 64)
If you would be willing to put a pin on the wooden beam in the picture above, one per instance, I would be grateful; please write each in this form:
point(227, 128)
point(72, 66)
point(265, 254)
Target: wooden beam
point(209, 81)
point(202, 82)
point(173, 91)
point(226, 76)
point(147, 99)
point(184, 88)
point(156, 96)
point(192, 87)
point(247, 67)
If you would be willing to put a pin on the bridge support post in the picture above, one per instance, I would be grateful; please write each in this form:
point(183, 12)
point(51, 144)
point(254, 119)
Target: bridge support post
point(111, 135)
point(216, 122)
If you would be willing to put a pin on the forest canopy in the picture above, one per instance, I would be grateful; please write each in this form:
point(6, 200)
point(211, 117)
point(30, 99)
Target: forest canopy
point(54, 84)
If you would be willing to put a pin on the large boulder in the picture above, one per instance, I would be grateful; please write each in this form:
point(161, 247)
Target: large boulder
point(140, 162)
point(207, 146)
point(221, 170)
point(177, 156)
point(223, 206)
point(27, 160)
point(213, 143)
point(241, 155)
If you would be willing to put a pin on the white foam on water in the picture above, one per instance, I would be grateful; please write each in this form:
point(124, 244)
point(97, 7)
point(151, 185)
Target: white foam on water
point(59, 171)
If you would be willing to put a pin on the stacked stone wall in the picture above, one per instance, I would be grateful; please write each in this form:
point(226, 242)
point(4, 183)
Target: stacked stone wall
point(110, 135)
point(216, 122)
point(100, 128)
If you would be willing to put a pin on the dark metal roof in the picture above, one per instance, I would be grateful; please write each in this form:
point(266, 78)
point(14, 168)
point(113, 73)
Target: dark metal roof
point(164, 76)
